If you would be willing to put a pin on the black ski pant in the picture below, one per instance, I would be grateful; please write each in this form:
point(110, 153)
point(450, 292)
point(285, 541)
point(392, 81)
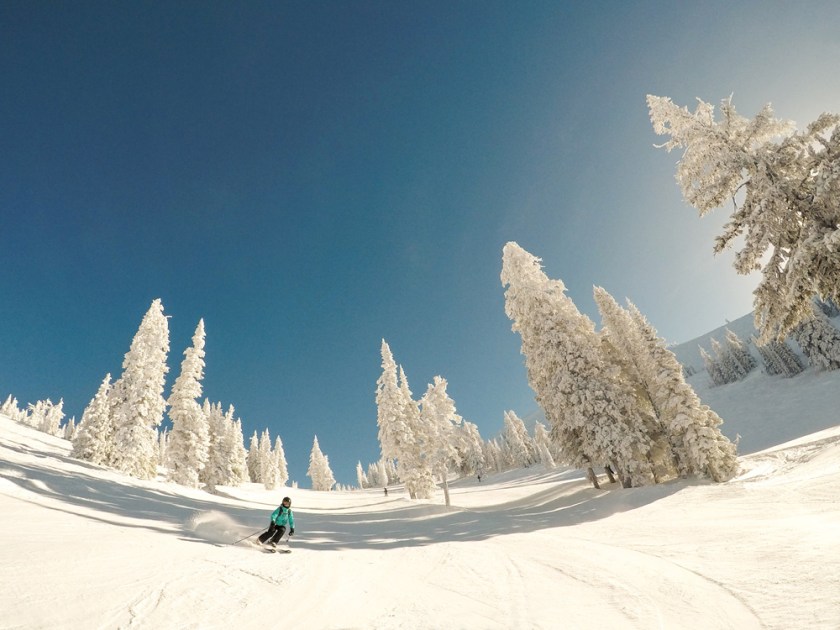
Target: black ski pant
point(274, 534)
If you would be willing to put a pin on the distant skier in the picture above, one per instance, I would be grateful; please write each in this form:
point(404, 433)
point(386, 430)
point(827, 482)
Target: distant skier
point(281, 517)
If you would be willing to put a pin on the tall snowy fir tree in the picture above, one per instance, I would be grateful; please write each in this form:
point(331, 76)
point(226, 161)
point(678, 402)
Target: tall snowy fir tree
point(398, 421)
point(468, 443)
point(189, 439)
point(594, 417)
point(693, 428)
point(94, 438)
point(269, 472)
point(522, 450)
point(253, 459)
point(319, 469)
point(785, 188)
point(440, 423)
point(138, 403)
point(280, 462)
point(415, 466)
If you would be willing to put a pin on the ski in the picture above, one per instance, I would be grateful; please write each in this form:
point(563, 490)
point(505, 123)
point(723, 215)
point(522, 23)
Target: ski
point(270, 550)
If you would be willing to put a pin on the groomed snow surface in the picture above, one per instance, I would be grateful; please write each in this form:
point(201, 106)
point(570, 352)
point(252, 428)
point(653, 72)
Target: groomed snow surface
point(86, 547)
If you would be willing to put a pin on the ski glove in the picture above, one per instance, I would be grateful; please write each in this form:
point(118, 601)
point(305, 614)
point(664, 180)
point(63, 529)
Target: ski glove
point(291, 531)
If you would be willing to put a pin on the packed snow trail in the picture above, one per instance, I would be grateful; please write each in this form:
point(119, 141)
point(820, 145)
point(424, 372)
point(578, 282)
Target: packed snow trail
point(530, 549)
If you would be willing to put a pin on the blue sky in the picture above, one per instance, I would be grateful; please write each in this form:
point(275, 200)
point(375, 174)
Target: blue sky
point(311, 178)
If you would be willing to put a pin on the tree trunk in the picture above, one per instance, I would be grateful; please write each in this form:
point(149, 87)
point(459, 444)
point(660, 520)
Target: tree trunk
point(445, 488)
point(590, 473)
point(609, 471)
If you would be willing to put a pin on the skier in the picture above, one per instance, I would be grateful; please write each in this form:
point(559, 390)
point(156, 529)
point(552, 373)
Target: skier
point(281, 517)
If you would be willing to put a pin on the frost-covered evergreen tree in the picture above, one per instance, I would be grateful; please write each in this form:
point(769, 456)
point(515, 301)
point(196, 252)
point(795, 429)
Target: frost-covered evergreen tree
point(778, 358)
point(468, 443)
point(254, 470)
point(70, 429)
point(440, 423)
point(819, 340)
point(319, 469)
point(47, 416)
point(789, 213)
point(713, 368)
point(141, 404)
point(94, 441)
point(692, 427)
point(225, 454)
point(269, 472)
point(280, 462)
point(545, 447)
point(11, 410)
point(189, 439)
point(729, 368)
point(740, 353)
point(594, 417)
point(522, 451)
point(398, 419)
point(361, 478)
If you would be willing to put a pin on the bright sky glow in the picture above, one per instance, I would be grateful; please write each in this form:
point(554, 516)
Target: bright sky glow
point(311, 178)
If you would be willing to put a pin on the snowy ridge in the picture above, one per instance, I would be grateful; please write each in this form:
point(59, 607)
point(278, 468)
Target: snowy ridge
point(522, 549)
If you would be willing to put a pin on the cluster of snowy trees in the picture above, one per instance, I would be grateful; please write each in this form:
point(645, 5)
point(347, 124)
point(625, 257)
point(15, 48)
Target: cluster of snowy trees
point(426, 439)
point(43, 415)
point(615, 398)
point(732, 360)
point(204, 447)
point(817, 337)
point(515, 448)
point(785, 188)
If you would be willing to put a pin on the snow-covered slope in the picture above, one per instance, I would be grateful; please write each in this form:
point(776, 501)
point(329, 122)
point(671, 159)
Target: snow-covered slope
point(84, 547)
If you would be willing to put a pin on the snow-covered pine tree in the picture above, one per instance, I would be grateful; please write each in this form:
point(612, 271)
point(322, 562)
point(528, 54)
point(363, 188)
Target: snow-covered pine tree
point(69, 429)
point(594, 417)
point(189, 439)
point(141, 390)
point(253, 460)
point(239, 456)
point(520, 445)
point(740, 353)
point(280, 462)
point(94, 441)
point(415, 469)
point(268, 465)
point(779, 358)
point(399, 426)
point(713, 369)
point(361, 478)
point(545, 447)
point(11, 410)
point(819, 340)
point(790, 204)
point(626, 345)
point(51, 415)
point(440, 421)
point(693, 428)
point(470, 451)
point(729, 369)
point(319, 469)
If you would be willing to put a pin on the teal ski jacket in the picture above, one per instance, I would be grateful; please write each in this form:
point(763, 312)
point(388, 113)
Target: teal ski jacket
point(283, 516)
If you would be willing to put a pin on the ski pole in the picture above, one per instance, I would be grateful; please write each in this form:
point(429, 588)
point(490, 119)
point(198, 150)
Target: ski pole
point(259, 531)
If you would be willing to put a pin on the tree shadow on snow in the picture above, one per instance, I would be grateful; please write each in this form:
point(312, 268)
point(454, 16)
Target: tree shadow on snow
point(375, 522)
